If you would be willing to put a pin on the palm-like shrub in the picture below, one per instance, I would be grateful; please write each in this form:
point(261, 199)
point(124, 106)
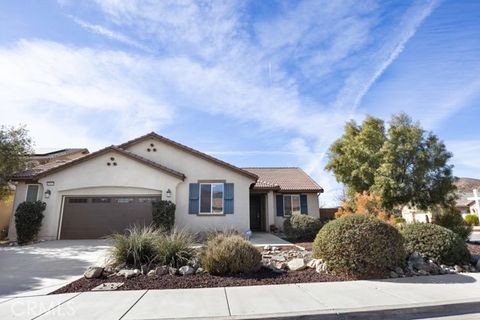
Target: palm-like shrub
point(175, 248)
point(301, 226)
point(230, 254)
point(359, 245)
point(138, 246)
point(471, 219)
point(436, 242)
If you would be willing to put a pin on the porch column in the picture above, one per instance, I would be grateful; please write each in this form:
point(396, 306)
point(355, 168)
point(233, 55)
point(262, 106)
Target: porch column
point(270, 210)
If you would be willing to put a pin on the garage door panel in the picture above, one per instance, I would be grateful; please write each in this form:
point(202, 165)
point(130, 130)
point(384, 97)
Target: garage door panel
point(95, 217)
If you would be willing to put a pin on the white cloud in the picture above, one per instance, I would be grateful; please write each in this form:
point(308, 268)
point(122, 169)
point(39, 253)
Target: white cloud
point(98, 29)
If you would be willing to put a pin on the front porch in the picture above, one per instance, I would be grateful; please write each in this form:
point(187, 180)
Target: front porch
point(261, 211)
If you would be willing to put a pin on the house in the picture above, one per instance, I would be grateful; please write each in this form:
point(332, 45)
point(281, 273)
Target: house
point(412, 214)
point(111, 189)
point(36, 159)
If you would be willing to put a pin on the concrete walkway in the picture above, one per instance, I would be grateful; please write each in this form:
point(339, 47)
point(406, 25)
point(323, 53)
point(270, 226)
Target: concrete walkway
point(45, 266)
point(261, 239)
point(404, 298)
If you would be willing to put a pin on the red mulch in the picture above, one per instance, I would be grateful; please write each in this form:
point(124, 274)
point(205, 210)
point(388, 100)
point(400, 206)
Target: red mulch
point(204, 280)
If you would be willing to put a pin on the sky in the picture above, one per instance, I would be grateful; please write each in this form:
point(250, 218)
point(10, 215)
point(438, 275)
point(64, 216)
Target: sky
point(254, 83)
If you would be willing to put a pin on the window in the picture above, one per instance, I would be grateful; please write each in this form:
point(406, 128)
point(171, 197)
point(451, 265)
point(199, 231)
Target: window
point(291, 204)
point(32, 193)
point(211, 198)
point(124, 200)
point(78, 200)
point(100, 200)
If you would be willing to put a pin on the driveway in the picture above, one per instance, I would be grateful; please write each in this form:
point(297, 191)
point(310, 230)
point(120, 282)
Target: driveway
point(45, 266)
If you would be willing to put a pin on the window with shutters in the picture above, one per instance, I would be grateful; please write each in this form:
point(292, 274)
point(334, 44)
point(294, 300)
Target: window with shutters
point(211, 198)
point(291, 204)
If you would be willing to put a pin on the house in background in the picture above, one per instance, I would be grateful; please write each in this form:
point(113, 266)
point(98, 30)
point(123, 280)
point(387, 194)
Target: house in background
point(112, 189)
point(51, 158)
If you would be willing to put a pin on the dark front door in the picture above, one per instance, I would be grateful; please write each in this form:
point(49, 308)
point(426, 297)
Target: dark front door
point(256, 212)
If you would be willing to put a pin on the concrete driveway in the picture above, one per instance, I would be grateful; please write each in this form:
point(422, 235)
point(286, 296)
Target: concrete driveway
point(45, 266)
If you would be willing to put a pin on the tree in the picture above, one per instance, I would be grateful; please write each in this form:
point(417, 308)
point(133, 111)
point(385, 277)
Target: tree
point(366, 204)
point(403, 166)
point(355, 157)
point(15, 146)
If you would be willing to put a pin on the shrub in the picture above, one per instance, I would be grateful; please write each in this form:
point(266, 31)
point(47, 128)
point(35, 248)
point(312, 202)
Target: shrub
point(436, 242)
point(137, 247)
point(471, 219)
point(28, 220)
point(163, 213)
point(359, 245)
point(175, 248)
point(230, 254)
point(300, 226)
point(399, 220)
point(453, 221)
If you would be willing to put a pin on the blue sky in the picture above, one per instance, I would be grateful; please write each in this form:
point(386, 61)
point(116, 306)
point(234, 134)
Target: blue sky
point(255, 83)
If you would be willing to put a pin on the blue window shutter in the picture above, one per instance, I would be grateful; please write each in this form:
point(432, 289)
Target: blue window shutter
point(279, 205)
point(193, 202)
point(303, 204)
point(228, 192)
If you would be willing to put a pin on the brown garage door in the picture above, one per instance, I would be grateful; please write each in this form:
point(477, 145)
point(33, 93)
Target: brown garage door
point(95, 217)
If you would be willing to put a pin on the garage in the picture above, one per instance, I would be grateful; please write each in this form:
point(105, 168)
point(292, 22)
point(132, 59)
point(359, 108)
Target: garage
point(87, 217)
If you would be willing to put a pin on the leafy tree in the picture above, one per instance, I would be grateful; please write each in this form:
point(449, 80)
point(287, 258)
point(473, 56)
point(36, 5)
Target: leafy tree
point(15, 146)
point(403, 166)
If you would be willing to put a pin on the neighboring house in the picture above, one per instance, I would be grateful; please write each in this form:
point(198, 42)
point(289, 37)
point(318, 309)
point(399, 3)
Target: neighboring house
point(112, 189)
point(411, 214)
point(51, 158)
point(468, 203)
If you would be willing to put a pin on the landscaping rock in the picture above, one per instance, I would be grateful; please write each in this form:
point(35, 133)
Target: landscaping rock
point(297, 264)
point(457, 268)
point(93, 272)
point(120, 267)
point(422, 273)
point(144, 269)
point(151, 273)
point(161, 271)
point(199, 270)
point(321, 267)
point(279, 258)
point(172, 271)
point(128, 273)
point(267, 248)
point(186, 270)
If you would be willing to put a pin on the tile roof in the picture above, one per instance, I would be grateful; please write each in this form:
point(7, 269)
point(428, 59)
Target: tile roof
point(58, 153)
point(54, 166)
point(154, 135)
point(463, 200)
point(284, 179)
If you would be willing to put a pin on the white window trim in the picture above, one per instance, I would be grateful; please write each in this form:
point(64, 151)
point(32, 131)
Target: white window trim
point(38, 190)
point(291, 203)
point(211, 199)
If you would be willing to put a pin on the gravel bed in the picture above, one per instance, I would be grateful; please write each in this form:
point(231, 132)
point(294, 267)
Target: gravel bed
point(204, 280)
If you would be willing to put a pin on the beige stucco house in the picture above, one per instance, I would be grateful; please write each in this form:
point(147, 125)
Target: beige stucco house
point(112, 189)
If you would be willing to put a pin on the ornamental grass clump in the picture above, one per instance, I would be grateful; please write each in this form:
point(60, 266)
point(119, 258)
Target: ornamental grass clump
point(359, 246)
point(137, 247)
point(230, 254)
point(175, 248)
point(435, 242)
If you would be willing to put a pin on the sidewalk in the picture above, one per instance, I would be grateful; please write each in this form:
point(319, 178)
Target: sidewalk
point(351, 299)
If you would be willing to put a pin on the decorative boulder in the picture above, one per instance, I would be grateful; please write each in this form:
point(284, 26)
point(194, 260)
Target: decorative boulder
point(186, 270)
point(297, 264)
point(129, 273)
point(93, 272)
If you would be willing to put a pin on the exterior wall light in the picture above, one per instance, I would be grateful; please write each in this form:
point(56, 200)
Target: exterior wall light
point(47, 194)
point(168, 193)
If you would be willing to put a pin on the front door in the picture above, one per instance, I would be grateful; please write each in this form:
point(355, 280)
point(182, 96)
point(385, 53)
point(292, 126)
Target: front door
point(255, 212)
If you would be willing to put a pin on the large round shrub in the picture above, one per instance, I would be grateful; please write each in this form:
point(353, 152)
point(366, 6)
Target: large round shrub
point(301, 226)
point(438, 243)
point(28, 220)
point(230, 254)
point(359, 245)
